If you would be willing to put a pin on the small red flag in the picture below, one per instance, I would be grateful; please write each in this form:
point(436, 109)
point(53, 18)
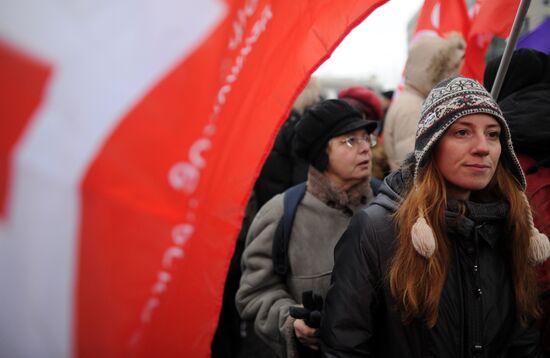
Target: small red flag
point(443, 16)
point(490, 18)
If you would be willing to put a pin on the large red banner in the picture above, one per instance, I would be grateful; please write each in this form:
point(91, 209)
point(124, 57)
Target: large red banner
point(129, 184)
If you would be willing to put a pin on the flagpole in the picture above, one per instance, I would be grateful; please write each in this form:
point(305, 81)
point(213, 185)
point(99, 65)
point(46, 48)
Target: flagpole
point(510, 46)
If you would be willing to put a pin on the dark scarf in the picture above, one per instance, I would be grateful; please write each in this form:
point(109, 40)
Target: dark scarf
point(487, 220)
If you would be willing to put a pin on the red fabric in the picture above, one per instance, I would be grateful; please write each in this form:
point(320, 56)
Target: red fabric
point(474, 59)
point(440, 17)
point(494, 16)
point(490, 18)
point(163, 201)
point(428, 11)
point(22, 80)
point(443, 16)
point(538, 192)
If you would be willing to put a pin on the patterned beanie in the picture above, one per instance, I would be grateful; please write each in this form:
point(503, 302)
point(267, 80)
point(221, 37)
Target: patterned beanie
point(447, 102)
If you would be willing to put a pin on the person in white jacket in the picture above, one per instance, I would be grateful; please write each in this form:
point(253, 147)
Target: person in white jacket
point(430, 60)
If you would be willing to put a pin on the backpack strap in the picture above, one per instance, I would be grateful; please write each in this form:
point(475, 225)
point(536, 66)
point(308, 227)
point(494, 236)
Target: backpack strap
point(292, 197)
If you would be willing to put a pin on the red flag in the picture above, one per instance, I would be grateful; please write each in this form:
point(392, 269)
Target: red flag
point(22, 82)
point(443, 16)
point(129, 184)
point(490, 18)
point(438, 18)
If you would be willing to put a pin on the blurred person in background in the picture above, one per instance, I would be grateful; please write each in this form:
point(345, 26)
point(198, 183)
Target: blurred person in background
point(387, 97)
point(282, 169)
point(370, 104)
point(378, 152)
point(430, 60)
point(525, 102)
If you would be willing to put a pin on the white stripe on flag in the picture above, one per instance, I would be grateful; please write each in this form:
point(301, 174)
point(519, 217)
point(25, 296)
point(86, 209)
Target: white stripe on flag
point(105, 56)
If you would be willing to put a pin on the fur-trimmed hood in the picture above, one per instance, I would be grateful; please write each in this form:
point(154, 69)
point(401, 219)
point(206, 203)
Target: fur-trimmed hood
point(432, 59)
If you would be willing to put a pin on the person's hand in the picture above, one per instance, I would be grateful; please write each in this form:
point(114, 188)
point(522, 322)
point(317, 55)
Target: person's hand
point(305, 334)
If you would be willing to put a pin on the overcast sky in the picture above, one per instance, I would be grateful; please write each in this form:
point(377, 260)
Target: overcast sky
point(378, 46)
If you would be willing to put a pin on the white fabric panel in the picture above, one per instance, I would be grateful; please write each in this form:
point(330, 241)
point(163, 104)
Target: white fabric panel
point(105, 56)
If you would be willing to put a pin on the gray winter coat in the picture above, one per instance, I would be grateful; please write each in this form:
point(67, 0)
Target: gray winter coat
point(265, 297)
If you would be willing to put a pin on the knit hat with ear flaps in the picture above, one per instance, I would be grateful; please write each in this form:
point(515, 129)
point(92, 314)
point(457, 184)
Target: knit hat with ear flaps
point(320, 123)
point(451, 100)
point(447, 102)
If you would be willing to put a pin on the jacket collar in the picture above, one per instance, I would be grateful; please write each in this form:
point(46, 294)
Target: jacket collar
point(481, 220)
point(350, 200)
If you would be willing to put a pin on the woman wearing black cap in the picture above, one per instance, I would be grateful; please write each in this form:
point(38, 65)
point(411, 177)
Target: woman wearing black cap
point(442, 264)
point(334, 138)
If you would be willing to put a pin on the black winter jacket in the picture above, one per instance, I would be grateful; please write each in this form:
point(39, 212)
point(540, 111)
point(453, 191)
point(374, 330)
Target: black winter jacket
point(282, 169)
point(476, 311)
point(527, 113)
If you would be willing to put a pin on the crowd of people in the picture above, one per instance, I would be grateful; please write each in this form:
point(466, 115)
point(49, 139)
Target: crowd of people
point(408, 227)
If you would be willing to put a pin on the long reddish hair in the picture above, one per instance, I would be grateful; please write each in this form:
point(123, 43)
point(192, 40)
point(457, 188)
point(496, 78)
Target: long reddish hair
point(416, 282)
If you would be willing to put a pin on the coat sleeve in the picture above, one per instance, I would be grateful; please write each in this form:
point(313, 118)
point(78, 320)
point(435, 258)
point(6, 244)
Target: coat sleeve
point(348, 323)
point(400, 127)
point(262, 295)
point(389, 137)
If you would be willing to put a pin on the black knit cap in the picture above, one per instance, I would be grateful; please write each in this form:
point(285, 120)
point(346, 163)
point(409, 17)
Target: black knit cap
point(527, 67)
point(450, 100)
point(320, 123)
point(524, 99)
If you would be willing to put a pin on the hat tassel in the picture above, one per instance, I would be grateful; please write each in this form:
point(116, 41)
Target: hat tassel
point(423, 238)
point(539, 247)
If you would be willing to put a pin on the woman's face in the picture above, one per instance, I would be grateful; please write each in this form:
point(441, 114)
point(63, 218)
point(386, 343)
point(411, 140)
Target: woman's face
point(349, 158)
point(467, 154)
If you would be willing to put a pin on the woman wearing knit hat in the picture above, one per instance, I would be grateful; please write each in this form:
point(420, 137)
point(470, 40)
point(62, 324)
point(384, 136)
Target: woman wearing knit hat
point(442, 264)
point(333, 138)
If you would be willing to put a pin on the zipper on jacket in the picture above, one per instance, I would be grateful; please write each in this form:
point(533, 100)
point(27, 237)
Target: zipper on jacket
point(477, 347)
point(461, 341)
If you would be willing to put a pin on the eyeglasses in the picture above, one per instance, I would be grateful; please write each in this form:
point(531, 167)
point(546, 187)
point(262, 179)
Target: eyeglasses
point(355, 142)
